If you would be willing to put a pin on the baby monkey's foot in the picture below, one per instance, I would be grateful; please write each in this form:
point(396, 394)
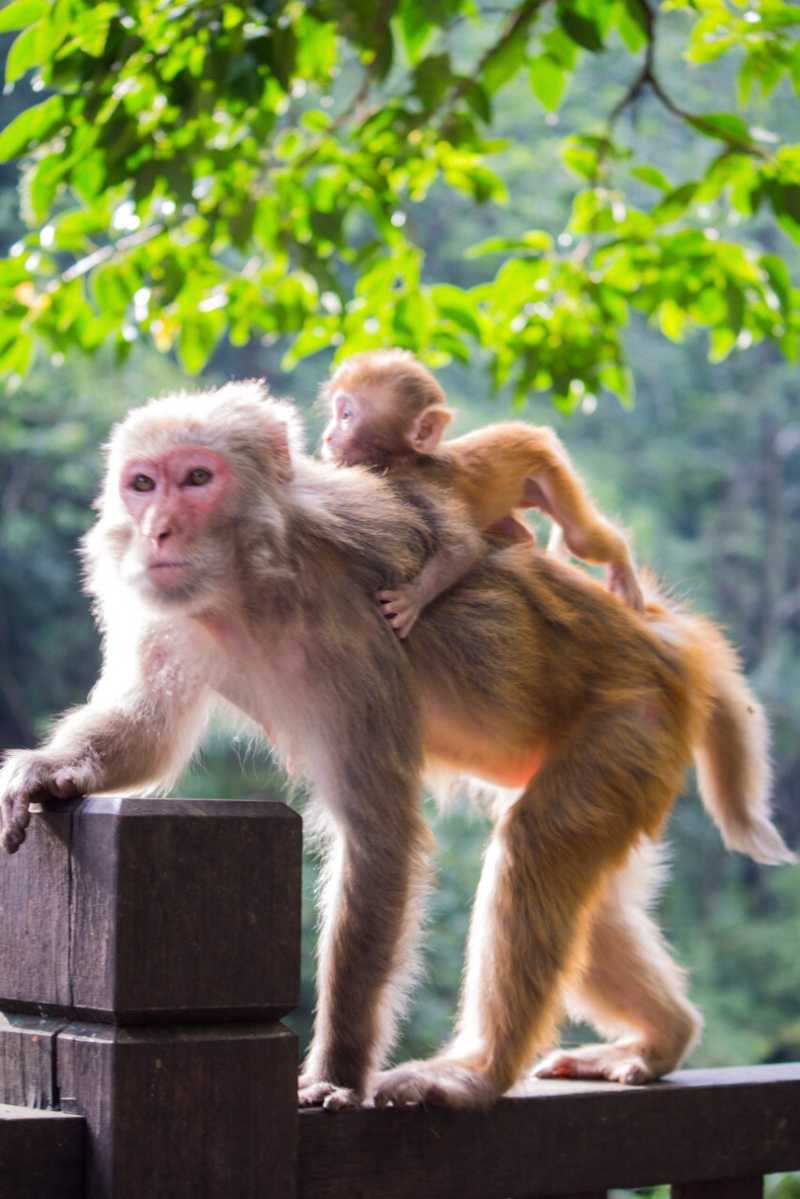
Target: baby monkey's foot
point(401, 608)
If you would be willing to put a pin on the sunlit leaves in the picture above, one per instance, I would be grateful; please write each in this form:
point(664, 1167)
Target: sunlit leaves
point(31, 127)
point(248, 171)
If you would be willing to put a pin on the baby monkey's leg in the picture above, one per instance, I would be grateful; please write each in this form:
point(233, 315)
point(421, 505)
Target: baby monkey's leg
point(556, 488)
point(510, 528)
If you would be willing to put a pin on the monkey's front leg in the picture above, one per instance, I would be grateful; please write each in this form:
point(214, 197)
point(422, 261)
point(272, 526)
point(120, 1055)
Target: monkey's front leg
point(145, 737)
point(376, 875)
point(28, 775)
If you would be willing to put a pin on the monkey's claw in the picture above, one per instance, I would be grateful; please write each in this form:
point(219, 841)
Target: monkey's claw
point(25, 776)
point(438, 1083)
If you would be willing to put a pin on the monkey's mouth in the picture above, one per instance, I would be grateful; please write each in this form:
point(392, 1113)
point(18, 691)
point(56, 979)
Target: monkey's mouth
point(167, 572)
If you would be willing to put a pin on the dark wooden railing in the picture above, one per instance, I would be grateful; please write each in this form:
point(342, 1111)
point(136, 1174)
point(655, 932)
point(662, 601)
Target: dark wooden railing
point(149, 949)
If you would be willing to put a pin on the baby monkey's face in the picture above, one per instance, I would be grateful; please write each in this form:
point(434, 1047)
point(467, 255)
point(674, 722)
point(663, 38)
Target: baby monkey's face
point(359, 432)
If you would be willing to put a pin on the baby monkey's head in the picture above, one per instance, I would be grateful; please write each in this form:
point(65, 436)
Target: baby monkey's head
point(384, 406)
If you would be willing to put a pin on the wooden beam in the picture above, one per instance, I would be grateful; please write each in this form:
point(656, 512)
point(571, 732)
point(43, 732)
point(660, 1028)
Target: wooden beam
point(41, 1154)
point(725, 1188)
point(560, 1139)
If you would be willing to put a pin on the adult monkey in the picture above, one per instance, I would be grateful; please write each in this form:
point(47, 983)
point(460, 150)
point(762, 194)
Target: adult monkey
point(225, 563)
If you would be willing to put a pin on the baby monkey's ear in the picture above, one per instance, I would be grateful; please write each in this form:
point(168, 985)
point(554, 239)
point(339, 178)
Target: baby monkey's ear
point(427, 428)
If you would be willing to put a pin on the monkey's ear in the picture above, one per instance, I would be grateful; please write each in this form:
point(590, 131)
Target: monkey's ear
point(427, 428)
point(282, 434)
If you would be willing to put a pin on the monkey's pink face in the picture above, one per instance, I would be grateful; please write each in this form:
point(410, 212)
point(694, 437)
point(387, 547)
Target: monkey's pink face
point(174, 501)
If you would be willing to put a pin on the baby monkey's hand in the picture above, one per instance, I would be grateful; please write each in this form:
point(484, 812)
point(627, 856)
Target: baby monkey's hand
point(401, 608)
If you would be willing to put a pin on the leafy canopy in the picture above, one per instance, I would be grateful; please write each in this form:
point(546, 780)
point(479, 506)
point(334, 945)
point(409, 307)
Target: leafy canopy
point(201, 169)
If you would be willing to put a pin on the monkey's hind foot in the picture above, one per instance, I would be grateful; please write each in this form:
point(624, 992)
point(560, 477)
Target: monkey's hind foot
point(439, 1082)
point(327, 1095)
point(625, 1063)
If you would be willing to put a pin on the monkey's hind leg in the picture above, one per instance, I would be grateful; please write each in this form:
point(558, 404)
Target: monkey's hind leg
point(546, 863)
point(631, 989)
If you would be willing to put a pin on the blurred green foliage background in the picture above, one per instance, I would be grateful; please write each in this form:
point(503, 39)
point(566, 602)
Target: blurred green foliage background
point(703, 469)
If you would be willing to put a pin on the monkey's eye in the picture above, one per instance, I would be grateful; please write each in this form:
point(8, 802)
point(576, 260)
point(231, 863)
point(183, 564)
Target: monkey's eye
point(345, 415)
point(142, 483)
point(198, 477)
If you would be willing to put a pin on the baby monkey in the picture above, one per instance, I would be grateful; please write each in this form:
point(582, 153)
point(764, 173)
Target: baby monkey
point(389, 413)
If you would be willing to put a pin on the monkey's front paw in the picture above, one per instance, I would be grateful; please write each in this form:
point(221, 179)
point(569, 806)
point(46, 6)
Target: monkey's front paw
point(327, 1095)
point(401, 609)
point(610, 1063)
point(27, 775)
point(439, 1082)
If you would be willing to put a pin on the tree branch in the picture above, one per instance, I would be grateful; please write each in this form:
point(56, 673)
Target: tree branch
point(648, 78)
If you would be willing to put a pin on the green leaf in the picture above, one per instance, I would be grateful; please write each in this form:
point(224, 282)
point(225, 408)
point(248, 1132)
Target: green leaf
point(478, 101)
point(535, 239)
point(640, 15)
point(198, 337)
point(17, 358)
point(20, 13)
point(619, 380)
point(652, 177)
point(785, 199)
point(722, 342)
point(734, 300)
point(581, 28)
point(674, 203)
point(779, 279)
point(24, 53)
point(672, 320)
point(725, 125)
point(31, 127)
point(415, 28)
point(432, 79)
point(547, 81)
point(43, 184)
point(457, 307)
point(505, 62)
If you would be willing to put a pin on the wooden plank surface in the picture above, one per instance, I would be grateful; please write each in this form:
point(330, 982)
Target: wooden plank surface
point(189, 1112)
point(146, 911)
point(41, 1154)
point(725, 1188)
point(561, 1138)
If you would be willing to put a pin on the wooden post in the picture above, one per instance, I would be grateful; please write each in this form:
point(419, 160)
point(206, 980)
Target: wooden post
point(147, 950)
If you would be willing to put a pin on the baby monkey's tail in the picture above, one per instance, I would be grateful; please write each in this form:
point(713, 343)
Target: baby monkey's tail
point(732, 743)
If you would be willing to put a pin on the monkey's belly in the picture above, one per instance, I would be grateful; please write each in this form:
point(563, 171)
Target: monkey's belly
point(467, 750)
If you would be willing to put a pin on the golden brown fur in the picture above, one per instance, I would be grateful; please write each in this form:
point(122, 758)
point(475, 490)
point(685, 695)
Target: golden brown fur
point(525, 673)
point(389, 413)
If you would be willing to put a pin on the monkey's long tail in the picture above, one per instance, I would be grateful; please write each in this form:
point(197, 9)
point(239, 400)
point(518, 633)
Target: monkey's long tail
point(732, 745)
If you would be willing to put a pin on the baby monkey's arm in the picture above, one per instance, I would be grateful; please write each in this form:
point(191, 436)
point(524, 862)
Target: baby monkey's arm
point(402, 605)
